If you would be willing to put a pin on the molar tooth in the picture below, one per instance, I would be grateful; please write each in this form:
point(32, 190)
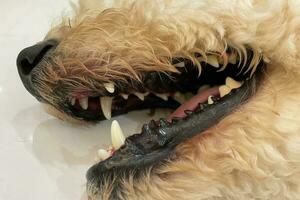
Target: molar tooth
point(210, 100)
point(213, 61)
point(232, 58)
point(110, 87)
point(203, 88)
point(141, 96)
point(73, 101)
point(224, 90)
point(84, 103)
point(180, 65)
point(103, 154)
point(233, 84)
point(117, 136)
point(125, 96)
point(106, 103)
point(162, 96)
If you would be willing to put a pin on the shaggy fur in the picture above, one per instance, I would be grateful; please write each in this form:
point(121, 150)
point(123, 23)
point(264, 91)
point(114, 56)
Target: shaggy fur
point(253, 153)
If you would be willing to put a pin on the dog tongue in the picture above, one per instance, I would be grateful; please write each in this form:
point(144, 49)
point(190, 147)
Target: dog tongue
point(193, 103)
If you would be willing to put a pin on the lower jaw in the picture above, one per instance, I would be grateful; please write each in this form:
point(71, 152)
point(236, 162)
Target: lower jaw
point(158, 139)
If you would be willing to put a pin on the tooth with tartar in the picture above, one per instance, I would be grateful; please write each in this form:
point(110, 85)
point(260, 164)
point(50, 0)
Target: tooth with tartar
point(224, 90)
point(103, 154)
point(180, 65)
point(232, 58)
point(106, 103)
point(110, 87)
point(84, 103)
point(117, 136)
point(125, 96)
point(213, 61)
point(210, 101)
point(203, 88)
point(162, 96)
point(73, 101)
point(141, 96)
point(233, 84)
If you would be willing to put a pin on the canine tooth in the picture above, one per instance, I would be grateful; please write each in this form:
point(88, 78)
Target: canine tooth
point(163, 96)
point(213, 61)
point(117, 136)
point(233, 84)
point(106, 103)
point(141, 96)
point(203, 88)
point(84, 103)
point(180, 65)
point(103, 154)
point(73, 101)
point(125, 96)
point(209, 100)
point(110, 87)
point(232, 58)
point(224, 90)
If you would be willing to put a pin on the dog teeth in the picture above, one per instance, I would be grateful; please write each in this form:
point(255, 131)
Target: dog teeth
point(232, 58)
point(141, 96)
point(233, 84)
point(117, 136)
point(106, 103)
point(224, 90)
point(84, 103)
point(210, 101)
point(73, 101)
point(110, 87)
point(125, 96)
point(162, 96)
point(203, 88)
point(213, 61)
point(103, 154)
point(180, 65)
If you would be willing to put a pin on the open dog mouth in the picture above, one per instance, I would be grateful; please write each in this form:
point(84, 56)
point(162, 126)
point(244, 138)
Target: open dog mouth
point(198, 103)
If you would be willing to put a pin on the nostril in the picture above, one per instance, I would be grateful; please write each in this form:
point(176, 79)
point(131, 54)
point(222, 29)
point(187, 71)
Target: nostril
point(29, 58)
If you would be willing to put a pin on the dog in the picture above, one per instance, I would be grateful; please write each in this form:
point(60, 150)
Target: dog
point(228, 70)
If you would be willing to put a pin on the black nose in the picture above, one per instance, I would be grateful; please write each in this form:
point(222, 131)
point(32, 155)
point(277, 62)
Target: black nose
point(29, 58)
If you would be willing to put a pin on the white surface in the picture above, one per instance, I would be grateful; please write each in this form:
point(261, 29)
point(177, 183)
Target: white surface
point(41, 157)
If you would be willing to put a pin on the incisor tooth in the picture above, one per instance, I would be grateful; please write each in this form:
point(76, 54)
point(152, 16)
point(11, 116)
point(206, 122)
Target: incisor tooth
point(233, 84)
point(106, 103)
point(224, 90)
point(117, 136)
point(163, 96)
point(180, 65)
point(103, 154)
point(209, 100)
point(213, 61)
point(110, 87)
point(125, 96)
point(84, 103)
point(141, 96)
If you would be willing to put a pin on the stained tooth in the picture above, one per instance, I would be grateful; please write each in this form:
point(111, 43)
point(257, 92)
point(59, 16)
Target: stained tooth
point(180, 65)
point(125, 96)
point(232, 58)
point(213, 61)
point(106, 103)
point(103, 154)
point(141, 96)
point(224, 90)
point(110, 87)
point(233, 84)
point(84, 103)
point(73, 101)
point(117, 136)
point(209, 100)
point(162, 96)
point(179, 97)
point(203, 88)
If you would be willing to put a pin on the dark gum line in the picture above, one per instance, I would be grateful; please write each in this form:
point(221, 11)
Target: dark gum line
point(157, 143)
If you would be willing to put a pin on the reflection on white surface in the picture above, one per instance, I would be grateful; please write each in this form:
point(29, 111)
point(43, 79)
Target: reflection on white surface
point(42, 157)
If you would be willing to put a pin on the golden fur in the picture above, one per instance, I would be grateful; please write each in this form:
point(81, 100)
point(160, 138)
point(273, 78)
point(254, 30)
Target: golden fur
point(253, 153)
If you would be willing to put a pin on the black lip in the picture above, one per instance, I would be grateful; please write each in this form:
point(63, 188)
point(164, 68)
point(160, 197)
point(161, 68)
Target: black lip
point(158, 140)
